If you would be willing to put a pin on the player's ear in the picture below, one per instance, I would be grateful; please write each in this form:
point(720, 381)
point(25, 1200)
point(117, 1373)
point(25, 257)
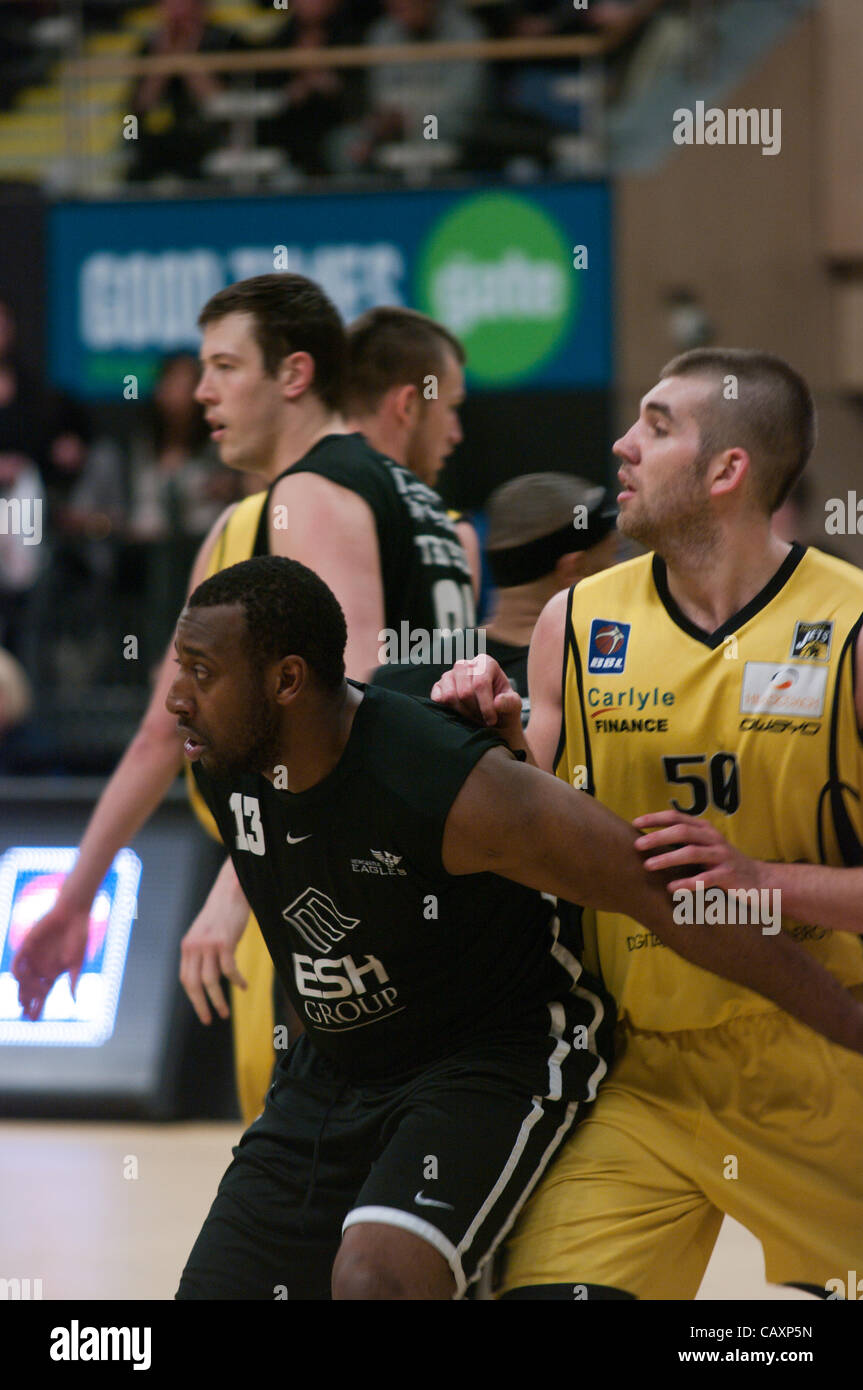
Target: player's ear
point(291, 676)
point(570, 569)
point(296, 374)
point(406, 404)
point(728, 470)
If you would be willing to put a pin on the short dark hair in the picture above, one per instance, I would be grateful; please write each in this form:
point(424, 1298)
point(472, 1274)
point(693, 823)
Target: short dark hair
point(290, 314)
point(772, 415)
point(389, 347)
point(289, 612)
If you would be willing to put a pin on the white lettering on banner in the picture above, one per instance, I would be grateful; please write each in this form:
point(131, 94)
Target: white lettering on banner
point(471, 292)
point(144, 299)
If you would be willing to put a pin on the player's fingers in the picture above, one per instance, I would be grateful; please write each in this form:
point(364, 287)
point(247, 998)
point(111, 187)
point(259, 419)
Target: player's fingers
point(697, 833)
point(212, 982)
point(687, 854)
point(190, 979)
point(653, 818)
point(474, 686)
point(443, 689)
point(229, 969)
point(714, 878)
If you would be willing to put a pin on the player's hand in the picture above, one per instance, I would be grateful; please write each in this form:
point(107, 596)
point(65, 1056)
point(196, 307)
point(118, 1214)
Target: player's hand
point(207, 953)
point(480, 691)
point(53, 945)
point(721, 865)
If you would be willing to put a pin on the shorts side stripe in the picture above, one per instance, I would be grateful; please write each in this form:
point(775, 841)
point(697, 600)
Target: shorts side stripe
point(536, 1114)
point(392, 1216)
point(560, 1134)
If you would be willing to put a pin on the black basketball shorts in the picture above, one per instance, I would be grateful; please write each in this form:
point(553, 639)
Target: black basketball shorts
point(450, 1155)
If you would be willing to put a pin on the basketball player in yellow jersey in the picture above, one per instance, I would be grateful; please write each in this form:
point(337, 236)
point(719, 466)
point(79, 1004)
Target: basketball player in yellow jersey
point(709, 686)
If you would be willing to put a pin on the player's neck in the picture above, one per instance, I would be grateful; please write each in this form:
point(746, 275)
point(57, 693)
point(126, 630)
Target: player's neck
point(383, 435)
point(317, 738)
point(709, 589)
point(301, 434)
point(516, 613)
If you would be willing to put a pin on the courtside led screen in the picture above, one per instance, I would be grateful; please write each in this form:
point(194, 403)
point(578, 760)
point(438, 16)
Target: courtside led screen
point(121, 1047)
point(30, 880)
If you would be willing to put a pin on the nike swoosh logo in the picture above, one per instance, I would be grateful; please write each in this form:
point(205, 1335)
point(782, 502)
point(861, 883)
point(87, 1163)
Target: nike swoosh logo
point(299, 839)
point(430, 1202)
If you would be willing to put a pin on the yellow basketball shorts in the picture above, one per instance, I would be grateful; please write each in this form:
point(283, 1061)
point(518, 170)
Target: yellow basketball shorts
point(759, 1118)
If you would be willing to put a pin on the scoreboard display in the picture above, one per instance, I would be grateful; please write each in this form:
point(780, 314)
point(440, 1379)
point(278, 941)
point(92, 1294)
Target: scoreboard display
point(128, 1044)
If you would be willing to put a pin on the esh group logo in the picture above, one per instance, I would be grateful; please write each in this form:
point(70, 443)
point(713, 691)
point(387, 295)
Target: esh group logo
point(607, 650)
point(498, 271)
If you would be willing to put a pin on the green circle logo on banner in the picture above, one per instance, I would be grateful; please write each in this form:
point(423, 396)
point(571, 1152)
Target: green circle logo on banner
point(497, 271)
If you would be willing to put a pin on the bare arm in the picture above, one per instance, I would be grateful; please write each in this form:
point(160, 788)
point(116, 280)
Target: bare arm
point(470, 543)
point(524, 825)
point(142, 777)
point(544, 681)
point(332, 530)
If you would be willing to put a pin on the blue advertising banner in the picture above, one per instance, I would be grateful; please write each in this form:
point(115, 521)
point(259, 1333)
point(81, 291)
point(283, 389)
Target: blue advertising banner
point(523, 277)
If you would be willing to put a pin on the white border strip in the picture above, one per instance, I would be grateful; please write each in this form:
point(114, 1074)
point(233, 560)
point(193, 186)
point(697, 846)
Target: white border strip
point(394, 1216)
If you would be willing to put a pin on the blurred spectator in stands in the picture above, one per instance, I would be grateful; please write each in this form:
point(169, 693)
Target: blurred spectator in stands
point(537, 18)
point(174, 132)
point(16, 697)
point(21, 491)
point(21, 407)
point(316, 100)
point(178, 487)
point(22, 504)
point(401, 95)
point(85, 494)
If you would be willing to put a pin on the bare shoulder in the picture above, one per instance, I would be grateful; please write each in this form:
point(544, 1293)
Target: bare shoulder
point(202, 559)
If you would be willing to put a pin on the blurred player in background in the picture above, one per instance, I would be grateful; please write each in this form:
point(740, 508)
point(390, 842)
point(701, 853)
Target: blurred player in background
point(546, 531)
point(405, 386)
point(720, 676)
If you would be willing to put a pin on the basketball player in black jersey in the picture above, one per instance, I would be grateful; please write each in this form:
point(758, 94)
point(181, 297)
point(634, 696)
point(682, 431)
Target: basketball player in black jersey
point(395, 858)
point(273, 363)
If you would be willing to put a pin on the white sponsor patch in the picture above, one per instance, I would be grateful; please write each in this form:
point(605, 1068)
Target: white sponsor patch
point(769, 688)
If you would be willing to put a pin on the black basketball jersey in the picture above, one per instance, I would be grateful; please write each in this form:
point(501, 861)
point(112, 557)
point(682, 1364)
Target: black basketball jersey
point(425, 570)
point(391, 962)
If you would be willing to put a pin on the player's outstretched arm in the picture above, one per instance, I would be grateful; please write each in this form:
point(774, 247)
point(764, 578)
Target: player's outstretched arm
point(518, 822)
point(150, 764)
point(207, 949)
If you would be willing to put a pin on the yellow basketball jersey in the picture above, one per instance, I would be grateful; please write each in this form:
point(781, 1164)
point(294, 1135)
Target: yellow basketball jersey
point(235, 543)
point(752, 727)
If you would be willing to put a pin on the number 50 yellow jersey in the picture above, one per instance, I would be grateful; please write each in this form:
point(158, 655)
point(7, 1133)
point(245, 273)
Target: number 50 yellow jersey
point(752, 727)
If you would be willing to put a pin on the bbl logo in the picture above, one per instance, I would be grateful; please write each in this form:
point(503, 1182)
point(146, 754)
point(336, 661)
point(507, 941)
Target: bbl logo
point(607, 650)
point(811, 641)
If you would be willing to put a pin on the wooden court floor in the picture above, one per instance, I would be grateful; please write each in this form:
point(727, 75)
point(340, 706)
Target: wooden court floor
point(110, 1211)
